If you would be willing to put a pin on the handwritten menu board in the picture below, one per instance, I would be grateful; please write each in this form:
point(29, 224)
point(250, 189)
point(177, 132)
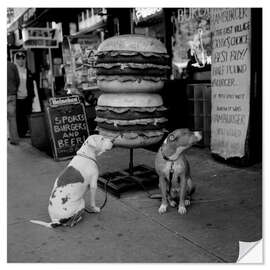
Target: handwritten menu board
point(68, 125)
point(230, 79)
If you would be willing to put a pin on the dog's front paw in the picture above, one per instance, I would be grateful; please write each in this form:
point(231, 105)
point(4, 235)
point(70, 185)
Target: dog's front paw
point(162, 209)
point(95, 209)
point(182, 210)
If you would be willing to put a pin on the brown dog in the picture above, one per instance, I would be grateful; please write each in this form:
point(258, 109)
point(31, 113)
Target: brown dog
point(173, 169)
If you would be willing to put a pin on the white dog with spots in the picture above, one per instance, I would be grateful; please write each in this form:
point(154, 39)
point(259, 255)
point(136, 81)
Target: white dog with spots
point(67, 204)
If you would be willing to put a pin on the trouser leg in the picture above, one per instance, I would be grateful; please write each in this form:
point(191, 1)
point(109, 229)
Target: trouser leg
point(23, 110)
point(28, 111)
point(20, 118)
point(11, 116)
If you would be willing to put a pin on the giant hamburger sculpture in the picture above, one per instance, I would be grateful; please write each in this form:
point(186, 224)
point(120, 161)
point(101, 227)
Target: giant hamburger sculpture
point(131, 71)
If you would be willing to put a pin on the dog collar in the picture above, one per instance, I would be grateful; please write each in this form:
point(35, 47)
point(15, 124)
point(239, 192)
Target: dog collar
point(171, 172)
point(85, 156)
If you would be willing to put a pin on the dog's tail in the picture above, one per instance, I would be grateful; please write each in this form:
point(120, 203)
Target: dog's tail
point(46, 224)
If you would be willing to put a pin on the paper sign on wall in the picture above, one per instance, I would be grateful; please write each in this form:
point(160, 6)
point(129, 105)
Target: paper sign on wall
point(40, 37)
point(230, 80)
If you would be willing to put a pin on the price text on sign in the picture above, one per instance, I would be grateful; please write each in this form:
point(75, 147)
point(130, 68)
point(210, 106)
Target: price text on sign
point(230, 80)
point(68, 129)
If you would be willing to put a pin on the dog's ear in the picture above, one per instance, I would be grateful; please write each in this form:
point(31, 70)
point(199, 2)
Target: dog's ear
point(171, 137)
point(169, 148)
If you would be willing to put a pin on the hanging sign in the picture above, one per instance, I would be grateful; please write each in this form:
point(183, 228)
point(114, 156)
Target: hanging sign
point(40, 37)
point(230, 79)
point(142, 13)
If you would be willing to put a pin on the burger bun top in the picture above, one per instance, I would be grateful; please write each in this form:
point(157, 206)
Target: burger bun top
point(137, 43)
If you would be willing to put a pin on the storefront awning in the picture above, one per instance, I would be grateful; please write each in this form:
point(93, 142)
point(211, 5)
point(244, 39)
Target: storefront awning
point(17, 22)
point(44, 15)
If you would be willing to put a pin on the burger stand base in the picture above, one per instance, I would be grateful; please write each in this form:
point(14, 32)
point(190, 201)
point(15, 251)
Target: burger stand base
point(139, 177)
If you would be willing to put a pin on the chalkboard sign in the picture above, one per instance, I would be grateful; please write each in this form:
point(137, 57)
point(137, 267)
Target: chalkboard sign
point(230, 79)
point(68, 126)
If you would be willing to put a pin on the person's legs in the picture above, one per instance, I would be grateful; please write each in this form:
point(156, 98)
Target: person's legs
point(28, 107)
point(24, 109)
point(11, 116)
point(21, 117)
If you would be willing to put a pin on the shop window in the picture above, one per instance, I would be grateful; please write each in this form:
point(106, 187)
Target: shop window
point(191, 41)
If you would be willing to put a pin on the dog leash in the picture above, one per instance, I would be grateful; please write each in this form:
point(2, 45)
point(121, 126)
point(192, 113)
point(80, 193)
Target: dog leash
point(106, 192)
point(171, 169)
point(157, 196)
point(105, 200)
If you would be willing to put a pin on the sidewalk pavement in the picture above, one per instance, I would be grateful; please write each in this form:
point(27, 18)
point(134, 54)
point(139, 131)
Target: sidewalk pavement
point(227, 208)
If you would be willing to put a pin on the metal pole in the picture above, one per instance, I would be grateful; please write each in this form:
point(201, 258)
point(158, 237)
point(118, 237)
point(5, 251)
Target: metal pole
point(51, 66)
point(132, 31)
point(131, 161)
